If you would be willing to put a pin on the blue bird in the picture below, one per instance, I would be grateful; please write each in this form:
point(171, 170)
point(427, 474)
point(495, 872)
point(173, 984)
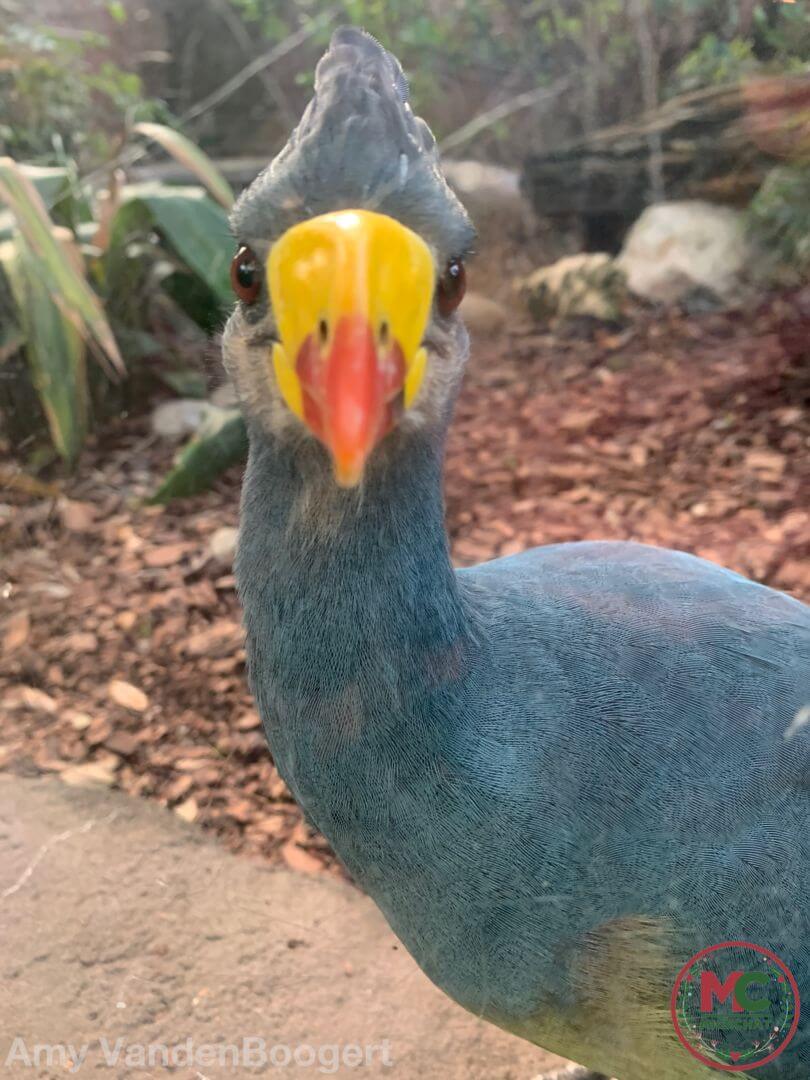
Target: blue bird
point(561, 774)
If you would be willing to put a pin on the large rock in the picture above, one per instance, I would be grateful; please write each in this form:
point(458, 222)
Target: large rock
point(589, 286)
point(178, 418)
point(482, 316)
point(484, 185)
point(493, 197)
point(602, 180)
point(677, 248)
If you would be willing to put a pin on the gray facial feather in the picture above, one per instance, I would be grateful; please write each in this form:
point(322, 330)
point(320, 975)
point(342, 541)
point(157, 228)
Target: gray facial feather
point(360, 146)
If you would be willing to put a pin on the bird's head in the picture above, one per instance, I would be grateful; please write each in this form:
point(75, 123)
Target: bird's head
point(349, 270)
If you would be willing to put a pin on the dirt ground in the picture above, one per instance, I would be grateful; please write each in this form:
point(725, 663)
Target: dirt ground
point(121, 659)
point(132, 930)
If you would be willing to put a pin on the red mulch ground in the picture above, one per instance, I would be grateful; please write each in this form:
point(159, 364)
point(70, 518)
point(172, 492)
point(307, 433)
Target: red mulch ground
point(120, 651)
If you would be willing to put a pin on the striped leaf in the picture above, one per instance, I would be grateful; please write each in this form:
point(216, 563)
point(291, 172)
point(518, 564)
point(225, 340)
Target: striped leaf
point(57, 268)
point(54, 348)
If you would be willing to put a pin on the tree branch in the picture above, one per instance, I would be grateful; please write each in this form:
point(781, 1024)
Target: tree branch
point(506, 108)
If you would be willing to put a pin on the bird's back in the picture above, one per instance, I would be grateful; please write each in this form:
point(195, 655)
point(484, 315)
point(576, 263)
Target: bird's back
point(651, 711)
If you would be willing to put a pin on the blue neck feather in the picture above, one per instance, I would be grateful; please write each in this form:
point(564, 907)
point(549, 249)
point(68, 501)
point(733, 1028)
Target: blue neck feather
point(370, 675)
point(351, 603)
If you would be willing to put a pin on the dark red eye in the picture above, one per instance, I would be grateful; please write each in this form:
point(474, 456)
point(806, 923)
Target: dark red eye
point(452, 285)
point(246, 278)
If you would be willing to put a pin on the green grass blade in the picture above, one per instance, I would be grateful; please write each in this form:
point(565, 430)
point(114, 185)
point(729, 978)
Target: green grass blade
point(187, 153)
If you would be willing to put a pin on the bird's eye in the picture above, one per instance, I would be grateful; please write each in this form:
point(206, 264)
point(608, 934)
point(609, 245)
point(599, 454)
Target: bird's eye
point(451, 287)
point(245, 275)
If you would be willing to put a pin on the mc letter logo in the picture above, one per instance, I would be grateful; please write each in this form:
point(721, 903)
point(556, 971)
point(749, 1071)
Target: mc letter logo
point(735, 1006)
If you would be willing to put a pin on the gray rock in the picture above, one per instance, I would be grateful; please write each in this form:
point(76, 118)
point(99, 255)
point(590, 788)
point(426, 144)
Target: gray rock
point(477, 182)
point(493, 197)
point(588, 285)
point(179, 418)
point(482, 315)
point(676, 248)
point(222, 545)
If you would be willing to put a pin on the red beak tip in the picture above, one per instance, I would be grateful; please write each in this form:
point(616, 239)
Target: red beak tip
point(348, 474)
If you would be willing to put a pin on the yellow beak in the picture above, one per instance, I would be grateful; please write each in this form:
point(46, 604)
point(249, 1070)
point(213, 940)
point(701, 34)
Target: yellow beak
point(351, 293)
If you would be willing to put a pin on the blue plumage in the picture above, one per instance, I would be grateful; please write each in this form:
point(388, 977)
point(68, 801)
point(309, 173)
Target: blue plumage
point(532, 763)
point(559, 774)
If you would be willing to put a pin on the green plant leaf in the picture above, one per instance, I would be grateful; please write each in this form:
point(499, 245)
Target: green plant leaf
point(117, 11)
point(52, 182)
point(12, 339)
point(57, 270)
point(192, 226)
point(54, 185)
point(186, 382)
point(7, 225)
point(221, 442)
point(54, 349)
point(189, 154)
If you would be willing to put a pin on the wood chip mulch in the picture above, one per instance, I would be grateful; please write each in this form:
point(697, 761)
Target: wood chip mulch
point(121, 652)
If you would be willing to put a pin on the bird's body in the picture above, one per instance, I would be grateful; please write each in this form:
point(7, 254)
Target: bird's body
point(561, 774)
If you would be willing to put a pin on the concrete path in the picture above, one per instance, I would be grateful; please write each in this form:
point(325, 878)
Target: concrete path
point(120, 923)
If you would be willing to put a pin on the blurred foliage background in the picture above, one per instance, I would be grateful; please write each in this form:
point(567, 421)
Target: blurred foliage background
point(464, 57)
point(71, 91)
point(111, 253)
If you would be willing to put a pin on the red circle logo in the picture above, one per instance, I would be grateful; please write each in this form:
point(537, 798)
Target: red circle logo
point(735, 1006)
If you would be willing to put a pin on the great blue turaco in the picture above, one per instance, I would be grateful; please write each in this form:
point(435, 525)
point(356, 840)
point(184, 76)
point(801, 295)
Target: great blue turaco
point(559, 774)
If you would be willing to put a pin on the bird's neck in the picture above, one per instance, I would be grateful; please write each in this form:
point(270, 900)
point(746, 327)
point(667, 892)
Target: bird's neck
point(351, 603)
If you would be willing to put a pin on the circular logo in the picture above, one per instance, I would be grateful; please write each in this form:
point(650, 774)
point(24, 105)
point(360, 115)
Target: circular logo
point(735, 1006)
